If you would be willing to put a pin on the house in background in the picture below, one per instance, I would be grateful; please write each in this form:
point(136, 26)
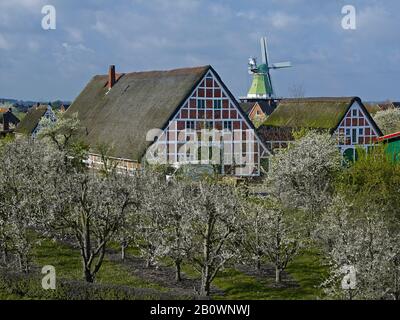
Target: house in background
point(392, 145)
point(8, 121)
point(258, 110)
point(30, 124)
point(372, 108)
point(64, 107)
point(163, 116)
point(347, 119)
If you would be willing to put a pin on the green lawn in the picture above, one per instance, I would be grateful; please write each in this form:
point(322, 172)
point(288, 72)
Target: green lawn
point(67, 262)
point(307, 270)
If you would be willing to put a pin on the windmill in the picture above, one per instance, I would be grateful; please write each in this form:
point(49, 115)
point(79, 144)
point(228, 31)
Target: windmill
point(261, 87)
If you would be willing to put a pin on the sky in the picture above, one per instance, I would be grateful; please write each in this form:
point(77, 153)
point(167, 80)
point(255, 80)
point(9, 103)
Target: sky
point(138, 35)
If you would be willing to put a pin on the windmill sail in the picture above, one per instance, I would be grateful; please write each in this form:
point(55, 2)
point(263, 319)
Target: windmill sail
point(264, 50)
point(281, 65)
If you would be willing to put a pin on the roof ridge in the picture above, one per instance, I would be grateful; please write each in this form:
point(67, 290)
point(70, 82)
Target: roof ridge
point(320, 98)
point(203, 67)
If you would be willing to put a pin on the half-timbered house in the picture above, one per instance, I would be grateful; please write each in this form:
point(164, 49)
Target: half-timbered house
point(346, 118)
point(258, 111)
point(175, 117)
point(30, 124)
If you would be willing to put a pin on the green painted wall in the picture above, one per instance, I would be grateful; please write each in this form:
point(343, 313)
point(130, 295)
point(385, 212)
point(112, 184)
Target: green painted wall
point(393, 150)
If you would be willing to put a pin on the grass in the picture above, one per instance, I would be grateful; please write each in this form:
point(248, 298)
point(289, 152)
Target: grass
point(306, 269)
point(67, 262)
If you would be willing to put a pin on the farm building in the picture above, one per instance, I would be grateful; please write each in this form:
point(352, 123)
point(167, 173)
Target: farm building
point(347, 119)
point(64, 107)
point(258, 110)
point(392, 148)
point(8, 121)
point(175, 117)
point(30, 124)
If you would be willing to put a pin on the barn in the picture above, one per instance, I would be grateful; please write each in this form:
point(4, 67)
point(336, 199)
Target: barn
point(8, 121)
point(174, 117)
point(30, 124)
point(346, 118)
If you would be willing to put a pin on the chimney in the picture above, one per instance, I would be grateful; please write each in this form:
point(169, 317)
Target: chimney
point(111, 77)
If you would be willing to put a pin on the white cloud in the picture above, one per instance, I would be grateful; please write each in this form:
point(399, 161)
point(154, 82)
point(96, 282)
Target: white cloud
point(282, 20)
point(74, 34)
point(26, 4)
point(75, 47)
point(247, 14)
point(4, 43)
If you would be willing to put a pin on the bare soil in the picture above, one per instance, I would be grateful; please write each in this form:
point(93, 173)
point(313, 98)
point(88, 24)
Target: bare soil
point(161, 275)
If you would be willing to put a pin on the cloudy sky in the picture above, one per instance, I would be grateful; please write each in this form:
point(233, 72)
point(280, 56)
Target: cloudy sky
point(162, 34)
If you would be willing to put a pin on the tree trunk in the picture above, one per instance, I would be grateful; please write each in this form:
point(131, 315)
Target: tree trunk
point(123, 247)
point(178, 277)
point(148, 262)
point(258, 263)
point(5, 256)
point(89, 277)
point(278, 275)
point(205, 284)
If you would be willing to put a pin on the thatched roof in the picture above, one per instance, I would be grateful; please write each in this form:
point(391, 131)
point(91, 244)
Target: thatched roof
point(31, 120)
point(372, 107)
point(314, 113)
point(137, 103)
point(247, 106)
point(9, 116)
point(266, 106)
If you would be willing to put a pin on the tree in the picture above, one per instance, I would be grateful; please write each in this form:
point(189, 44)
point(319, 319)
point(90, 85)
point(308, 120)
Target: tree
point(255, 229)
point(368, 205)
point(25, 166)
point(375, 179)
point(274, 232)
point(215, 224)
point(358, 239)
point(176, 238)
point(150, 219)
point(297, 91)
point(62, 132)
point(91, 208)
point(302, 176)
point(388, 120)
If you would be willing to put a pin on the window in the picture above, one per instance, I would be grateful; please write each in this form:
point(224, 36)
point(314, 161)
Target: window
point(201, 103)
point(190, 125)
point(355, 113)
point(227, 125)
point(209, 125)
point(361, 131)
point(347, 132)
point(217, 104)
point(354, 136)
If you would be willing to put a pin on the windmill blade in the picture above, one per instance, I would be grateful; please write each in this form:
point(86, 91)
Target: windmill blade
point(264, 50)
point(281, 65)
point(271, 93)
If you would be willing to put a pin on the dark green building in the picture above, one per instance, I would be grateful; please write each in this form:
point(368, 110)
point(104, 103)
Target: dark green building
point(392, 148)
